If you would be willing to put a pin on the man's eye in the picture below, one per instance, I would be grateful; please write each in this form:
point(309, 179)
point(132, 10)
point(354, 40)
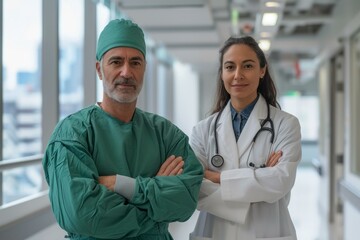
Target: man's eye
point(115, 62)
point(136, 63)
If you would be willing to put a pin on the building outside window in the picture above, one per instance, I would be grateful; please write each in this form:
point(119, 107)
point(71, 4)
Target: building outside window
point(71, 37)
point(22, 34)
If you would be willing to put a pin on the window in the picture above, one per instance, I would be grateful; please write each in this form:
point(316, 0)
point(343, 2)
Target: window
point(21, 94)
point(354, 109)
point(71, 35)
point(308, 117)
point(103, 17)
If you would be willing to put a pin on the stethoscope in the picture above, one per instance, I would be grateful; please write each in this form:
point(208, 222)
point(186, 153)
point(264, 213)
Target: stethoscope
point(217, 160)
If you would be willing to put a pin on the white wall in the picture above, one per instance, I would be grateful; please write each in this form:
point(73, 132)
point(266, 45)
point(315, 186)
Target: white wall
point(186, 97)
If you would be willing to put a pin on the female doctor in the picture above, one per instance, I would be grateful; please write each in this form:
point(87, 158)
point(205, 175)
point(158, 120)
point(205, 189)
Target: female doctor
point(250, 150)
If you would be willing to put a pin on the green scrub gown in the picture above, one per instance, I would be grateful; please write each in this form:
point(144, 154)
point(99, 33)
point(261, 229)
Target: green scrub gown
point(91, 143)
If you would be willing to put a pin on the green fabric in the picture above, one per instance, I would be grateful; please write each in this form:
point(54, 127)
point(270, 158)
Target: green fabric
point(120, 33)
point(91, 143)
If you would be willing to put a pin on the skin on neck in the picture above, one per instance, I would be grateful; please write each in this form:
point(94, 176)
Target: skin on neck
point(122, 111)
point(240, 105)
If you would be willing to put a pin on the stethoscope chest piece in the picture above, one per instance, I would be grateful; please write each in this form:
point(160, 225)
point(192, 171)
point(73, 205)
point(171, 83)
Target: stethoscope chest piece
point(217, 160)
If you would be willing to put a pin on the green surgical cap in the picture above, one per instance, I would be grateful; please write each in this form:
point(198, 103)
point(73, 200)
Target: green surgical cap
point(120, 33)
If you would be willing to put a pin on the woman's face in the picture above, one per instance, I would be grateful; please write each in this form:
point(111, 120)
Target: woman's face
point(241, 74)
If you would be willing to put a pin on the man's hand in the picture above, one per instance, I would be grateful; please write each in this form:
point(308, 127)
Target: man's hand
point(108, 181)
point(172, 166)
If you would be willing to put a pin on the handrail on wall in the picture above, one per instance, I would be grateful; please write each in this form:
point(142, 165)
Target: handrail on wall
point(20, 162)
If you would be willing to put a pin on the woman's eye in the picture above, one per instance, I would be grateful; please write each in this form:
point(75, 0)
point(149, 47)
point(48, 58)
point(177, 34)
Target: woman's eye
point(248, 66)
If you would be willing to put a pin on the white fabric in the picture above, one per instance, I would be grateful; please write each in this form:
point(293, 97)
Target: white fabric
point(249, 204)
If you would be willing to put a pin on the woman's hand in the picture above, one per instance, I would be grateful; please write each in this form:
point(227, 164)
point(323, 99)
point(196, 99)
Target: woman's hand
point(212, 176)
point(273, 158)
point(271, 162)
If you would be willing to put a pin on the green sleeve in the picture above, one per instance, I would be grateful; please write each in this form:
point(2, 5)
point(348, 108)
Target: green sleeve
point(171, 198)
point(80, 204)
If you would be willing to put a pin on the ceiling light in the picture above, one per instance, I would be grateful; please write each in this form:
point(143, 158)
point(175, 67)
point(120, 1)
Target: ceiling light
point(265, 34)
point(264, 45)
point(272, 4)
point(269, 19)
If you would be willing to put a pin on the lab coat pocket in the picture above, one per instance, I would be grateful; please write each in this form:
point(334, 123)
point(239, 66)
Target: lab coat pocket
point(231, 211)
point(278, 238)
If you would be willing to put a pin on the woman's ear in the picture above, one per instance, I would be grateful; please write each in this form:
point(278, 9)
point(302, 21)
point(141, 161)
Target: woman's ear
point(263, 71)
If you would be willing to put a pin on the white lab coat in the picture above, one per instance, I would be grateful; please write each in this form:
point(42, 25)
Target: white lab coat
point(248, 204)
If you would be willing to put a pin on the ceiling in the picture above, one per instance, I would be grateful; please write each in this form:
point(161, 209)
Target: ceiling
point(193, 30)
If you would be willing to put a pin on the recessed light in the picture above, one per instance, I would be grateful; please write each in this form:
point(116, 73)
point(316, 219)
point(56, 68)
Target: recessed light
point(264, 45)
point(269, 19)
point(272, 4)
point(265, 34)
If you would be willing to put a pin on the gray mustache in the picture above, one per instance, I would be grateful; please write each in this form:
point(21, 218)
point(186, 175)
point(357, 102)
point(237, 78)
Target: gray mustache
point(128, 81)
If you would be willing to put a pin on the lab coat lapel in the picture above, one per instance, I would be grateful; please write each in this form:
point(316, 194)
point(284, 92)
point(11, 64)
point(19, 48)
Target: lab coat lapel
point(227, 144)
point(252, 126)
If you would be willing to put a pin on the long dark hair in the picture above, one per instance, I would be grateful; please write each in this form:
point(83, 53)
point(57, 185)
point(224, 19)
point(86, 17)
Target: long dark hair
point(266, 86)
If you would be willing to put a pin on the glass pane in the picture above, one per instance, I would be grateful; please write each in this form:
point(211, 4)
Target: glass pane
point(308, 117)
point(21, 90)
point(103, 17)
point(354, 104)
point(21, 182)
point(71, 35)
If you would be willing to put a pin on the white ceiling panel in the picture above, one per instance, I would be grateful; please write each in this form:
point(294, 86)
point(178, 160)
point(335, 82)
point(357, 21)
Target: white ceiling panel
point(196, 55)
point(159, 3)
point(186, 37)
point(194, 30)
point(171, 17)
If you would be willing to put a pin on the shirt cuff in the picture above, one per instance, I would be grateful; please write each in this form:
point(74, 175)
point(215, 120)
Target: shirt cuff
point(125, 186)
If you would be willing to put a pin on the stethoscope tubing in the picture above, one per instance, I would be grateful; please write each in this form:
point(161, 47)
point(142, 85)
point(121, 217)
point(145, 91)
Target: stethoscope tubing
point(217, 160)
point(215, 132)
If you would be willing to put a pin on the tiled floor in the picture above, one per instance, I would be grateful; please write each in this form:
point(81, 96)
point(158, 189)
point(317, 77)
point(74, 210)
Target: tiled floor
point(304, 204)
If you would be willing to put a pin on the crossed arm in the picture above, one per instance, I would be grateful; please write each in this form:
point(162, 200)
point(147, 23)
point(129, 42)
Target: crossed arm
point(271, 162)
point(172, 166)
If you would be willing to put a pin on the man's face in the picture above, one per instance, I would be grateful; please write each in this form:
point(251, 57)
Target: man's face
point(122, 72)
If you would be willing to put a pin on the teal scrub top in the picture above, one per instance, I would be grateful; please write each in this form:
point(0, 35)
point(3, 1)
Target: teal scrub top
point(92, 143)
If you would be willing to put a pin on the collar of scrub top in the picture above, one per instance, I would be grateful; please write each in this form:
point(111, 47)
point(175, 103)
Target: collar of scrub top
point(244, 115)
